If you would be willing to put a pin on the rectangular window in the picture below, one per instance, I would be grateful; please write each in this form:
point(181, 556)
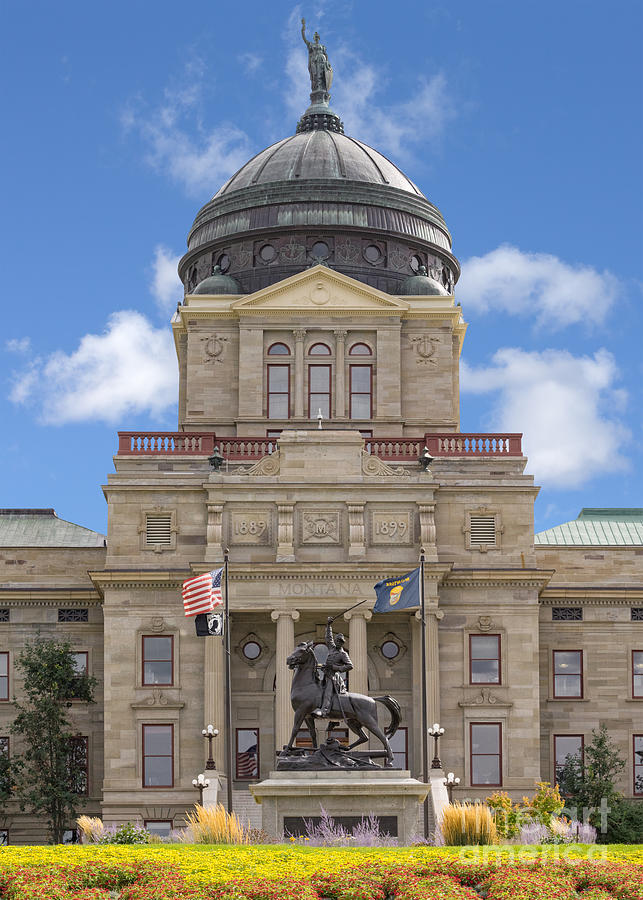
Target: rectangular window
point(568, 673)
point(81, 662)
point(5, 783)
point(158, 530)
point(637, 673)
point(158, 659)
point(486, 753)
point(4, 676)
point(565, 746)
point(73, 615)
point(567, 613)
point(161, 827)
point(638, 764)
point(78, 765)
point(278, 392)
point(399, 746)
point(484, 659)
point(319, 391)
point(361, 392)
point(158, 756)
point(247, 753)
point(4, 837)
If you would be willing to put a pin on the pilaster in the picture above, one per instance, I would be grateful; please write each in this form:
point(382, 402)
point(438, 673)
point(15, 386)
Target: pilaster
point(285, 644)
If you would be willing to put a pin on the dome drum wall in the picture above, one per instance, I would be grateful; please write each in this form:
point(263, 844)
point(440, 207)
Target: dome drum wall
point(375, 259)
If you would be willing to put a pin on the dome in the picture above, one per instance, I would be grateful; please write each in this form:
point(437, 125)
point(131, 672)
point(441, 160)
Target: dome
point(319, 196)
point(421, 285)
point(319, 155)
point(217, 283)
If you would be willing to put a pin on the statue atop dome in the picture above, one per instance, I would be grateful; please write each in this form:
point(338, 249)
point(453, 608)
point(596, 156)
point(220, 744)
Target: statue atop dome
point(319, 67)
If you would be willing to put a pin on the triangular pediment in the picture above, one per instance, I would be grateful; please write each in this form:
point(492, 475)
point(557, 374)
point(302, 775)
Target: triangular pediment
point(320, 290)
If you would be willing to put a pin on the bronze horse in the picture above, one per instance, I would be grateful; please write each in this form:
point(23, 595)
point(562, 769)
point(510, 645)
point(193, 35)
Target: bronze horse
point(357, 710)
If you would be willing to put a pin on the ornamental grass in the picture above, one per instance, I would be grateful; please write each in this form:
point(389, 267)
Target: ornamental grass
point(214, 825)
point(467, 823)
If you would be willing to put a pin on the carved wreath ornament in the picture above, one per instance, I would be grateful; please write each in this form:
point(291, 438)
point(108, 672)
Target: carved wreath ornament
point(425, 348)
point(213, 348)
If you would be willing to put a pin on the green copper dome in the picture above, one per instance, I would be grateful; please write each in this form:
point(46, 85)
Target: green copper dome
point(217, 283)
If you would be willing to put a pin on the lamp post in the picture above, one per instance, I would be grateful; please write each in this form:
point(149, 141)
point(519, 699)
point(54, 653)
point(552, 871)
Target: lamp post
point(425, 459)
point(451, 782)
point(216, 460)
point(436, 733)
point(201, 783)
point(210, 732)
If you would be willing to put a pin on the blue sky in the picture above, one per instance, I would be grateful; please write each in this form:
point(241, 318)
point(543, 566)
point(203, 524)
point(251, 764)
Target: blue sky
point(521, 121)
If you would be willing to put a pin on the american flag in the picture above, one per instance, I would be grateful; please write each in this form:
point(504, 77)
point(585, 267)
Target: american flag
point(202, 594)
point(247, 763)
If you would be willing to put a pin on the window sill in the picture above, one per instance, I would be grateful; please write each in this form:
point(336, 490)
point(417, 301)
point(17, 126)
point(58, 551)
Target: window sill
point(568, 699)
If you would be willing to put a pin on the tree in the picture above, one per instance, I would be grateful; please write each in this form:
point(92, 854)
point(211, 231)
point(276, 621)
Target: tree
point(588, 783)
point(47, 771)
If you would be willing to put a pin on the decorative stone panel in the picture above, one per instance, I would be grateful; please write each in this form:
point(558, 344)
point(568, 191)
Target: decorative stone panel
point(252, 528)
point(320, 526)
point(391, 527)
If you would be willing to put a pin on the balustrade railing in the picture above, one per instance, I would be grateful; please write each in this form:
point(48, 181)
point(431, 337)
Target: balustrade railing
point(239, 449)
point(458, 444)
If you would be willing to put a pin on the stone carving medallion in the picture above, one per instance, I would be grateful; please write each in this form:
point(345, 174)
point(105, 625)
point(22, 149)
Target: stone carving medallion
point(213, 348)
point(242, 257)
point(346, 251)
point(251, 528)
point(399, 259)
point(425, 348)
point(320, 527)
point(391, 527)
point(292, 252)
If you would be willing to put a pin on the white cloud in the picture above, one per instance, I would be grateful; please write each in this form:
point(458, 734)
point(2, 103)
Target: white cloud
point(250, 61)
point(396, 129)
point(567, 407)
point(539, 284)
point(179, 144)
point(129, 369)
point(166, 284)
point(18, 345)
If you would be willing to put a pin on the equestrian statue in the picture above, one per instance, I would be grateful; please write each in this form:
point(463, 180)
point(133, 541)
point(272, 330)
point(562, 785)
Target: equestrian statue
point(322, 694)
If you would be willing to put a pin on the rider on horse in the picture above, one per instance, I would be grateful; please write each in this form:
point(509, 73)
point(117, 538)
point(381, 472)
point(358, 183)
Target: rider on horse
point(337, 663)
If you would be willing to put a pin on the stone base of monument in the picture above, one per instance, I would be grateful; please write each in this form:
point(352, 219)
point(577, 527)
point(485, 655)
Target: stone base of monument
point(289, 799)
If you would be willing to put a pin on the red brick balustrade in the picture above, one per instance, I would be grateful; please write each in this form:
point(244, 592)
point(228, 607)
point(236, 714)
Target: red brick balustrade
point(165, 443)
point(238, 449)
point(474, 444)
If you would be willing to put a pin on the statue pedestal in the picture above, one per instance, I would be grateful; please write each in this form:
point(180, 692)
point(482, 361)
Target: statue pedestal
point(287, 798)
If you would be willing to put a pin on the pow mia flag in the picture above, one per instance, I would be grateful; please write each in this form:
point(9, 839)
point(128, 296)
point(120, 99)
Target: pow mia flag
point(209, 624)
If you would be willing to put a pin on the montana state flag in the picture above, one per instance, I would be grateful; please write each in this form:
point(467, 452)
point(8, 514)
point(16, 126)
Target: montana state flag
point(398, 593)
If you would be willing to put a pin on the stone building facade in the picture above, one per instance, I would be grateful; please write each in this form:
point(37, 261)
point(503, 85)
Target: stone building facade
point(318, 350)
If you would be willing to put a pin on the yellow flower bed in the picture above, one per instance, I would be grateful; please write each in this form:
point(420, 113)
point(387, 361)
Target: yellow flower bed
point(202, 864)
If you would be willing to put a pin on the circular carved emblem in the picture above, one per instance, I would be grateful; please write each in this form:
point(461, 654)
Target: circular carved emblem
point(320, 294)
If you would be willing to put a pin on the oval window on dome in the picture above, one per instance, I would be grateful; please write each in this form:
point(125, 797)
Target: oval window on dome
point(320, 250)
point(279, 350)
point(224, 262)
point(319, 350)
point(390, 649)
point(373, 253)
point(251, 650)
point(267, 253)
point(360, 350)
point(416, 262)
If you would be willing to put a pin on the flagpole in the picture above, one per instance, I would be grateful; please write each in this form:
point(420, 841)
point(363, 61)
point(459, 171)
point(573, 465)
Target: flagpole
point(228, 683)
point(425, 724)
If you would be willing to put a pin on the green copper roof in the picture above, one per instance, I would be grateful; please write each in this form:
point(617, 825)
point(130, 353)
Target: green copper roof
point(43, 528)
point(597, 528)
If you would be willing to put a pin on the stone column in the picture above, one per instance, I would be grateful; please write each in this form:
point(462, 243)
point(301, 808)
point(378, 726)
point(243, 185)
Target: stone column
point(285, 620)
point(358, 649)
point(299, 335)
point(340, 386)
point(433, 615)
point(214, 700)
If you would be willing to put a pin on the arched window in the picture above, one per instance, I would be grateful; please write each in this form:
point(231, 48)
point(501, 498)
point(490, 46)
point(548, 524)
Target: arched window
point(360, 350)
point(278, 350)
point(319, 350)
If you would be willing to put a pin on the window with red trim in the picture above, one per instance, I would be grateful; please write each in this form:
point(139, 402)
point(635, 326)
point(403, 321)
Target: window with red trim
point(158, 659)
point(278, 392)
point(360, 349)
point(319, 350)
point(484, 659)
point(279, 349)
point(4, 676)
point(637, 673)
point(638, 764)
point(566, 746)
point(486, 753)
point(158, 756)
point(319, 391)
point(568, 674)
point(361, 392)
